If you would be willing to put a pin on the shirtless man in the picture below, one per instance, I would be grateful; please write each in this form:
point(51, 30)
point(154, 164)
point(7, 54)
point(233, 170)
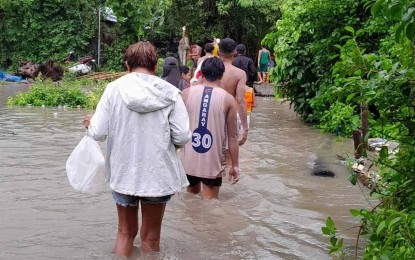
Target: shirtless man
point(208, 50)
point(211, 110)
point(196, 75)
point(233, 81)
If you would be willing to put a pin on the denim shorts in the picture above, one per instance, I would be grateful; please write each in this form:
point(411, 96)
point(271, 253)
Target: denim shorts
point(132, 201)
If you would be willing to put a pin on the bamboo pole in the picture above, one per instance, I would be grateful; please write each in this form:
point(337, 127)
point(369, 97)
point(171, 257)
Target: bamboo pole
point(365, 125)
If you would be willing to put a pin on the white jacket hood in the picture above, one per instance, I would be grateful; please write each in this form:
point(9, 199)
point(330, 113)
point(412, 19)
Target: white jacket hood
point(145, 93)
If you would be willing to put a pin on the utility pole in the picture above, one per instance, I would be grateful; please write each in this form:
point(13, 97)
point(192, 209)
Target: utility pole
point(99, 34)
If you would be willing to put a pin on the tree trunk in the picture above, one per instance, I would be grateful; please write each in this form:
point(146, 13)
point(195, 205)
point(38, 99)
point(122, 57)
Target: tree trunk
point(358, 146)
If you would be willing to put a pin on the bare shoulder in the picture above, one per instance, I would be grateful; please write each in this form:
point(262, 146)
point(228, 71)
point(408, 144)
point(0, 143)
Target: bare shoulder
point(240, 75)
point(185, 91)
point(240, 72)
point(235, 71)
point(185, 94)
point(229, 99)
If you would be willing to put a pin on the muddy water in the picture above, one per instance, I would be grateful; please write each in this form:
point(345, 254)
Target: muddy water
point(276, 211)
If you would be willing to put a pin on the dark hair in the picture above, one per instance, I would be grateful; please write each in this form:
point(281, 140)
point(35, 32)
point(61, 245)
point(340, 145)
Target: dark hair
point(141, 55)
point(240, 49)
point(209, 47)
point(184, 69)
point(212, 68)
point(171, 72)
point(211, 39)
point(264, 46)
point(227, 46)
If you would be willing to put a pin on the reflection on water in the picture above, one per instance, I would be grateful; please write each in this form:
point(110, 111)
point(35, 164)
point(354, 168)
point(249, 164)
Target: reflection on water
point(276, 211)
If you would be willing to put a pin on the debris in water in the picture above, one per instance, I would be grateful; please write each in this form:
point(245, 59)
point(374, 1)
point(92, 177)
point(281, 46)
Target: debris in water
point(8, 132)
point(321, 170)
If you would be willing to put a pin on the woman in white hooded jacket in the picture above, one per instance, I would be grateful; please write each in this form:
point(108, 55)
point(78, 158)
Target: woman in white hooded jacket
point(144, 119)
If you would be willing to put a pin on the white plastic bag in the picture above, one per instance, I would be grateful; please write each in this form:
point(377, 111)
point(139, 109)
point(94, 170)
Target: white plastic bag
point(85, 167)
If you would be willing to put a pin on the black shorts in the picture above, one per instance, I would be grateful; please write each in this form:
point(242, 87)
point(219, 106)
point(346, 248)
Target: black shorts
point(193, 180)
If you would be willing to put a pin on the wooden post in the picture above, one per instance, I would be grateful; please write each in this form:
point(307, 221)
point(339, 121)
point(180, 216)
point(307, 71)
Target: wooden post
point(365, 124)
point(358, 146)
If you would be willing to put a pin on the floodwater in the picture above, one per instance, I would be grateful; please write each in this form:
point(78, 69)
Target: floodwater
point(276, 211)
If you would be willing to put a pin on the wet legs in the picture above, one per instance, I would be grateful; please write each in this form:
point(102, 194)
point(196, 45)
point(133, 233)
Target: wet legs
point(208, 192)
point(152, 216)
point(127, 230)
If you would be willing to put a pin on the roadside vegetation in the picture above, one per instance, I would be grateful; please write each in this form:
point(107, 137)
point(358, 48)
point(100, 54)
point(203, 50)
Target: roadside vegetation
point(337, 60)
point(71, 93)
point(73, 25)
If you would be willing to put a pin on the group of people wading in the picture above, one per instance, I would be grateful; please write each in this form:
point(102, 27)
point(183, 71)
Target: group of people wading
point(149, 121)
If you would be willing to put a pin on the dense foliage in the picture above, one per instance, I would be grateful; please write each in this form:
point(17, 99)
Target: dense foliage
point(71, 93)
point(244, 21)
point(335, 58)
point(38, 30)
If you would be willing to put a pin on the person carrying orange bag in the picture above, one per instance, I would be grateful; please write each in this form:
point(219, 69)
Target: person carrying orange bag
point(250, 102)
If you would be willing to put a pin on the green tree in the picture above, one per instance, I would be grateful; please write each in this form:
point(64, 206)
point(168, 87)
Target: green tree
point(38, 30)
point(136, 15)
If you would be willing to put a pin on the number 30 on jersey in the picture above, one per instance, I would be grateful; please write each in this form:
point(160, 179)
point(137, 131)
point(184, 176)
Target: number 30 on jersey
point(201, 140)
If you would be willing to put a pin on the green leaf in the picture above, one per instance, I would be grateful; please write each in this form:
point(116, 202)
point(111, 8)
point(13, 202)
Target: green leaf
point(350, 29)
point(394, 222)
point(384, 257)
point(398, 32)
point(333, 241)
point(383, 154)
point(376, 195)
point(359, 32)
point(296, 36)
point(396, 11)
point(376, 7)
point(366, 137)
point(350, 97)
point(381, 226)
point(355, 212)
point(395, 66)
point(408, 14)
point(340, 244)
point(410, 31)
point(330, 223)
point(345, 37)
point(325, 230)
point(352, 178)
point(338, 46)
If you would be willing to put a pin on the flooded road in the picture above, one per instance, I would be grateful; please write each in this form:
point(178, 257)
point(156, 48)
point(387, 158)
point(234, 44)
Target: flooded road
point(276, 211)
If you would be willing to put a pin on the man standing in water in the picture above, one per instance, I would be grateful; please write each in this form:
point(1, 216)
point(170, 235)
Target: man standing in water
point(233, 81)
point(264, 58)
point(246, 64)
point(212, 120)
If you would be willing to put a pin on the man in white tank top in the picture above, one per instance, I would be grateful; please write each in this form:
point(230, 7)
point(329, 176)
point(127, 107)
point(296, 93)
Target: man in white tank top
point(212, 120)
